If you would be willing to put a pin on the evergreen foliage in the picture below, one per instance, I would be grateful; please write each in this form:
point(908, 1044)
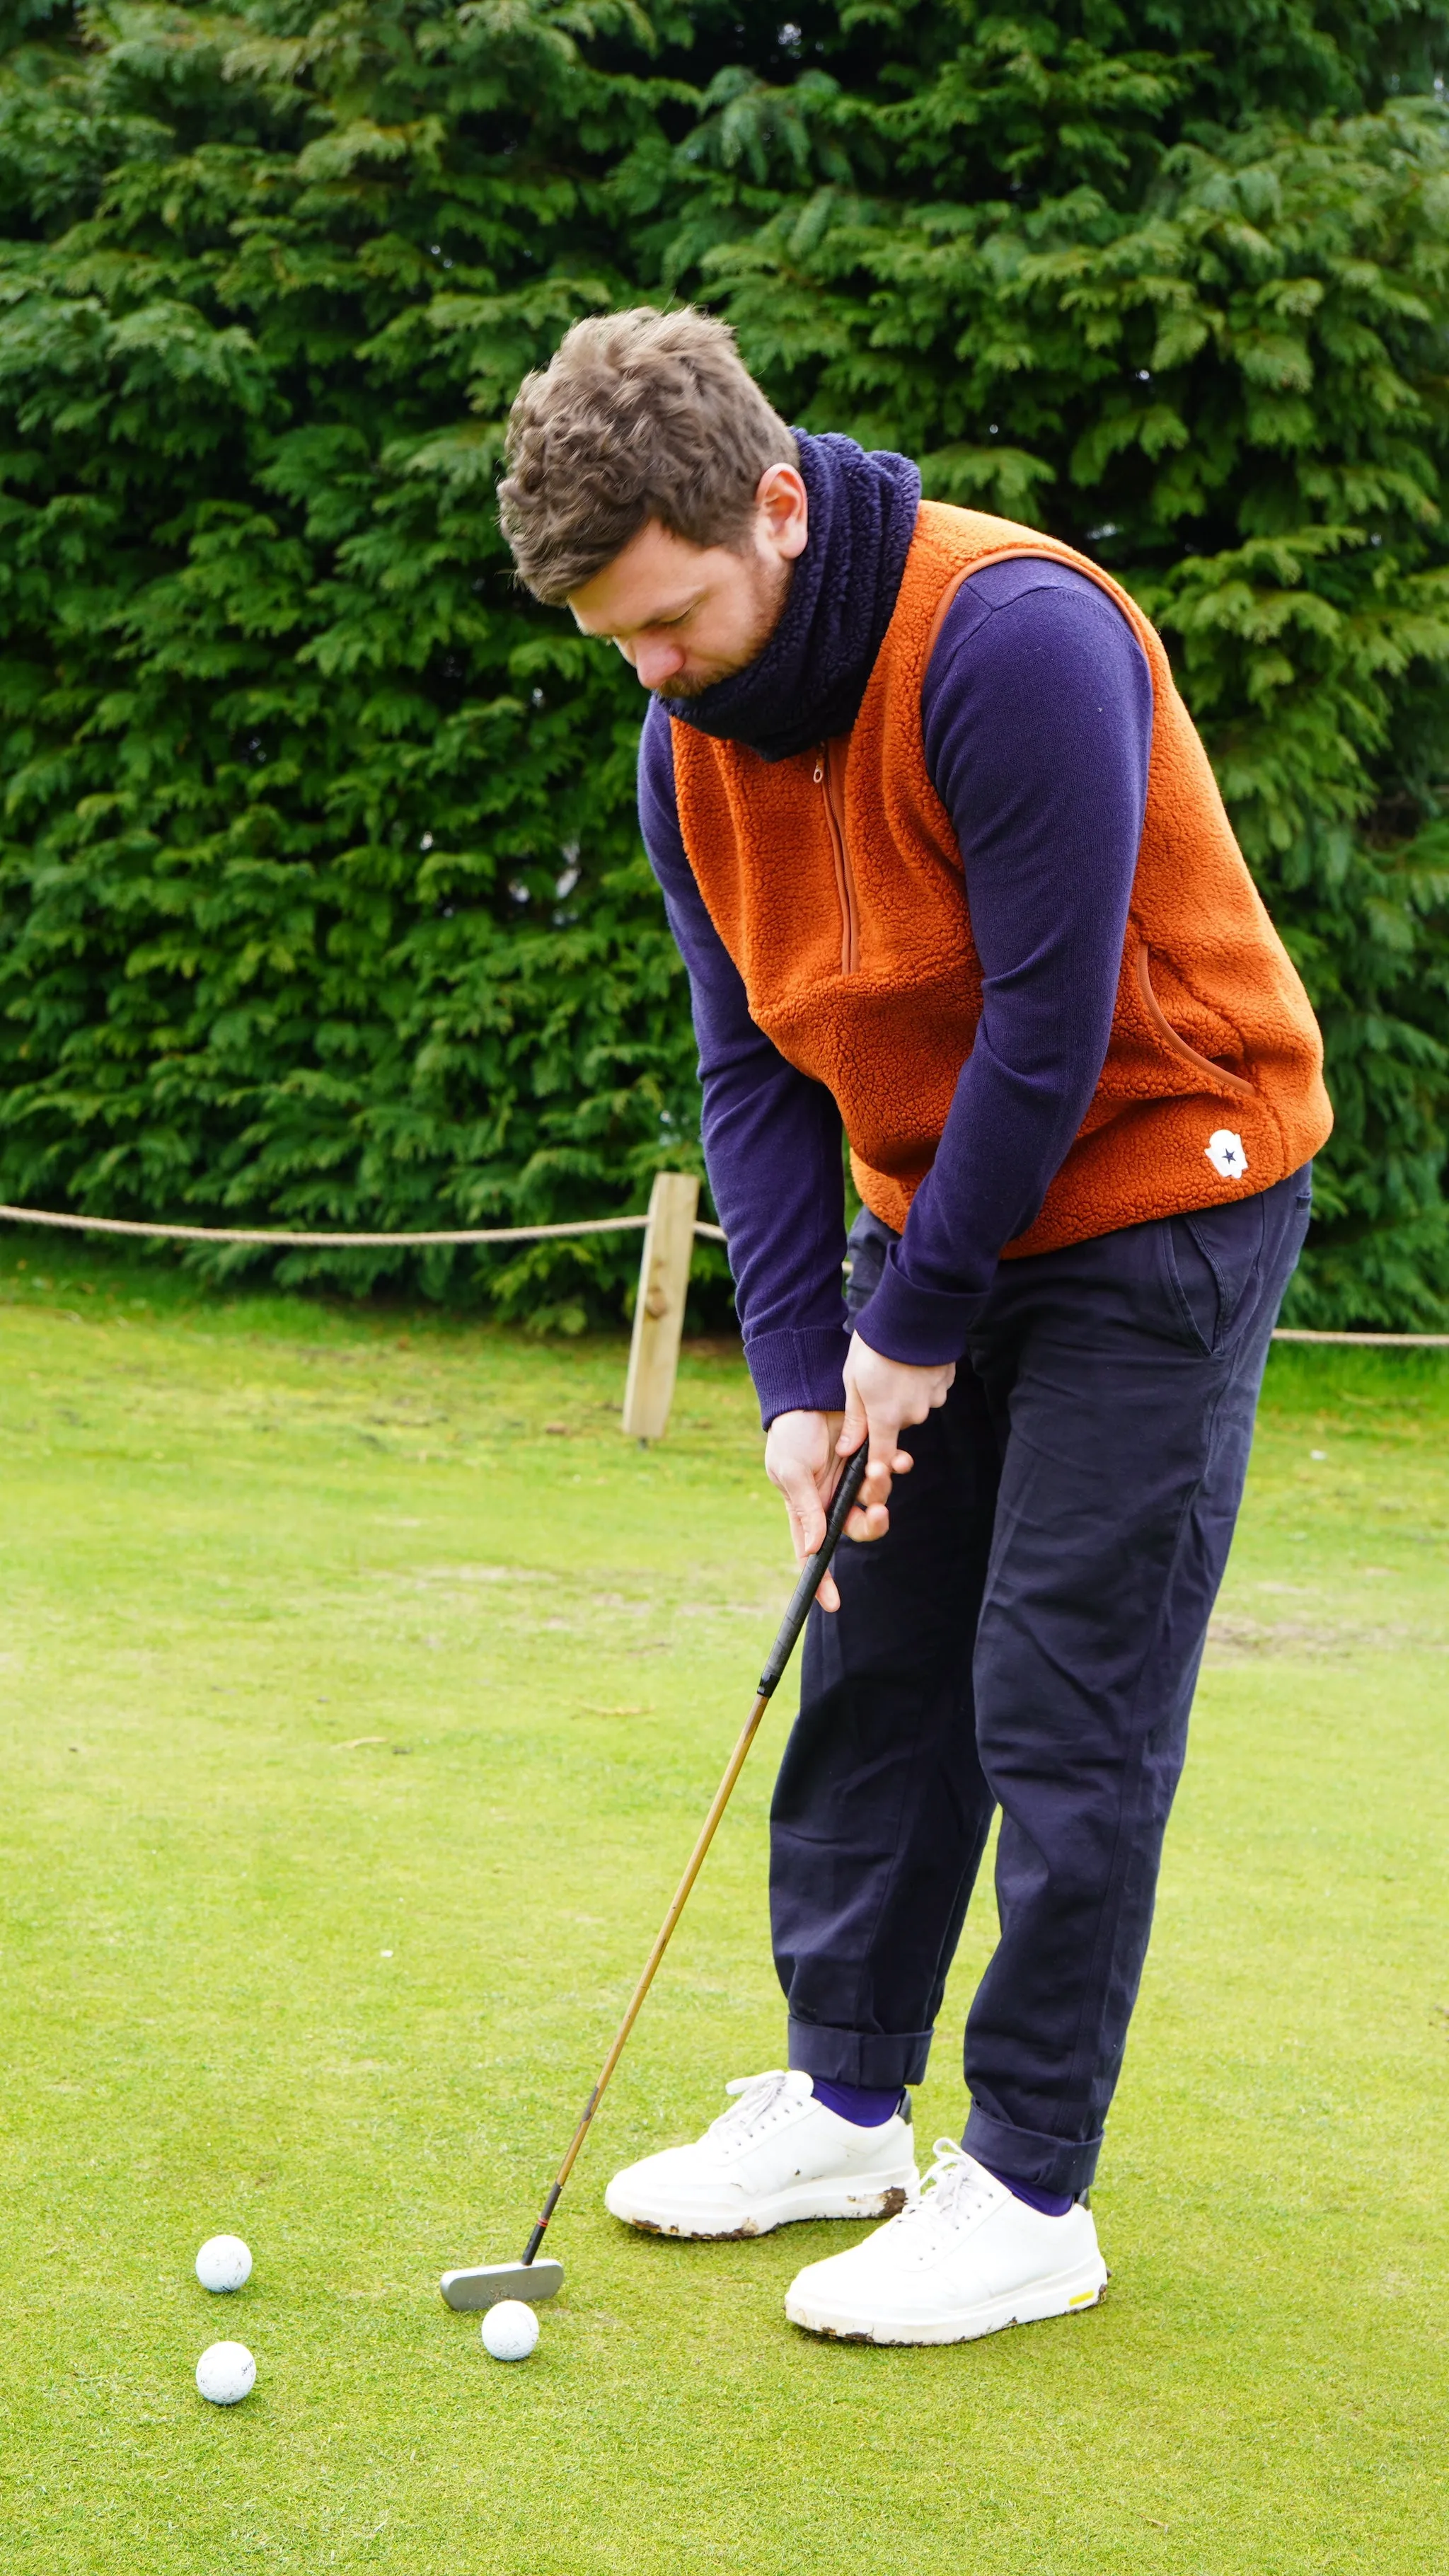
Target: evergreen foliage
point(320, 893)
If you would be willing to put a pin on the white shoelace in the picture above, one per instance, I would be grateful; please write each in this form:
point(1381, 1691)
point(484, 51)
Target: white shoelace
point(762, 2100)
point(955, 2189)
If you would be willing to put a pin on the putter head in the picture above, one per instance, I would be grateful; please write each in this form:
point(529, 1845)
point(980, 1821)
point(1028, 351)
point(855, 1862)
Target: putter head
point(486, 2283)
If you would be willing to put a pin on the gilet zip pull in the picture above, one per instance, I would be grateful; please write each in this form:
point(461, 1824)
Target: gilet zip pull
point(827, 777)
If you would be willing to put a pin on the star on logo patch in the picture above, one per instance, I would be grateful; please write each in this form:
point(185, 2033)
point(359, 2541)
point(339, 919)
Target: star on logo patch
point(1225, 1152)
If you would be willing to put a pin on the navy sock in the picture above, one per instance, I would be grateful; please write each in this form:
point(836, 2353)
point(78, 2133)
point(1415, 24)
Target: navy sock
point(865, 2104)
point(1051, 2204)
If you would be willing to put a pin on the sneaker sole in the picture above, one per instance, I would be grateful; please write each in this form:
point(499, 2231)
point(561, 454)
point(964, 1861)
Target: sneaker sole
point(1069, 2294)
point(883, 2199)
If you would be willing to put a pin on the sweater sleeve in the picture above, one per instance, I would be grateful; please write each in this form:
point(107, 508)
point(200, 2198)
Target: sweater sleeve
point(772, 1142)
point(1037, 720)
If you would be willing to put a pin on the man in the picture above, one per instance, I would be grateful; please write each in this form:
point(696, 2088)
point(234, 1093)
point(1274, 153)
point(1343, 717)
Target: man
point(947, 866)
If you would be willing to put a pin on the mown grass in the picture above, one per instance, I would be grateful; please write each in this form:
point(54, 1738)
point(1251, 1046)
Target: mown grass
point(361, 1692)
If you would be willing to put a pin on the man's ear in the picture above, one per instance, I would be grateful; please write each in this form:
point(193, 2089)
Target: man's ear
point(784, 507)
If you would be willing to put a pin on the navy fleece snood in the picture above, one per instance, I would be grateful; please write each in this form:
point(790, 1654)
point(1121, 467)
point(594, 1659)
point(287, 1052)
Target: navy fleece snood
point(808, 682)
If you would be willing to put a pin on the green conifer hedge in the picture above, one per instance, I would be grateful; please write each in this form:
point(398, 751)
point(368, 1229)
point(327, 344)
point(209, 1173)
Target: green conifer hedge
point(321, 900)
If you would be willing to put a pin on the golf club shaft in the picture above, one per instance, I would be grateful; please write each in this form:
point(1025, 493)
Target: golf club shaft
point(841, 1504)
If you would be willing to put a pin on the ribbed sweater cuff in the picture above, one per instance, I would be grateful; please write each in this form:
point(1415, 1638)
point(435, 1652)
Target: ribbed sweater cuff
point(798, 1372)
point(924, 1326)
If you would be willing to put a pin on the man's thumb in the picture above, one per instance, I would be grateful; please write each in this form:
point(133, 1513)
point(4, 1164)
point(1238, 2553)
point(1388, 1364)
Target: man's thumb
point(855, 1427)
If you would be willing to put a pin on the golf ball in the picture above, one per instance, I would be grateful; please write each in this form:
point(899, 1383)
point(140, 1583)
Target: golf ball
point(226, 2373)
point(510, 2330)
point(223, 2263)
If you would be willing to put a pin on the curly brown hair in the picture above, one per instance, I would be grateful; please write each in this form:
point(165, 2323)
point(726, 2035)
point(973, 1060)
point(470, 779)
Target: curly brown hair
point(638, 416)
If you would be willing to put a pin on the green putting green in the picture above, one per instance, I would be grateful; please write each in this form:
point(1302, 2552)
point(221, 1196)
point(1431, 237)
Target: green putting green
point(362, 1690)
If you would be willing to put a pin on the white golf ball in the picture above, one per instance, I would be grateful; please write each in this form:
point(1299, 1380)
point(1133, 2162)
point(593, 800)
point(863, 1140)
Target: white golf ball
point(226, 2373)
point(510, 2330)
point(223, 2263)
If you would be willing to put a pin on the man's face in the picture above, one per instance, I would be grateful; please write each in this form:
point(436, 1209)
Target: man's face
point(686, 616)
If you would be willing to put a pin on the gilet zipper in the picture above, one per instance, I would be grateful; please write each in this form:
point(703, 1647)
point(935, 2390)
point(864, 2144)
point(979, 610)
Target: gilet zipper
point(829, 766)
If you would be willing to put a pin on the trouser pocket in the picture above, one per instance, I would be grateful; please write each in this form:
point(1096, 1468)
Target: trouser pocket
point(1214, 1262)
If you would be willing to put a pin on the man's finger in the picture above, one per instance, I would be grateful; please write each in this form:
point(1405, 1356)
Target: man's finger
point(854, 1429)
point(807, 1514)
point(869, 1518)
point(807, 1528)
point(827, 1591)
point(885, 1440)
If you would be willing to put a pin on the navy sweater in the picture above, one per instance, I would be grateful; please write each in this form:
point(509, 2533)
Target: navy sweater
point(1037, 718)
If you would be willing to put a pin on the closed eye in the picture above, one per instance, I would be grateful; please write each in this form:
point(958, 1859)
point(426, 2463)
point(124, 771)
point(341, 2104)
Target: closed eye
point(657, 626)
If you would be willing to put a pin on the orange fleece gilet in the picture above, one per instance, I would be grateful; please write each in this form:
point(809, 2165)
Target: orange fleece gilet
point(835, 881)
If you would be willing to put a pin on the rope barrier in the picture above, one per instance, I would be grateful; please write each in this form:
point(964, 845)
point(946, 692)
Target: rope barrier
point(1389, 1341)
point(333, 1242)
point(523, 1234)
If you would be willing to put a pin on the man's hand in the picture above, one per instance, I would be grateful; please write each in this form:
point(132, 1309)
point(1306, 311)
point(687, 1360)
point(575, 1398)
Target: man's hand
point(803, 1451)
point(882, 1399)
point(802, 1459)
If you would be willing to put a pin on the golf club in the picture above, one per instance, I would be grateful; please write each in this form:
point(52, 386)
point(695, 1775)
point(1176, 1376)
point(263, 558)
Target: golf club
point(483, 2284)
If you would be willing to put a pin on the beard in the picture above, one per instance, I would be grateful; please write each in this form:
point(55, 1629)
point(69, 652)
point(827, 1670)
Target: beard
point(769, 584)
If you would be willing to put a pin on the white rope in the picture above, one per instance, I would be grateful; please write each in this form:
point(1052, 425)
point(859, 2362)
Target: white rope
point(326, 1242)
point(520, 1234)
point(1389, 1341)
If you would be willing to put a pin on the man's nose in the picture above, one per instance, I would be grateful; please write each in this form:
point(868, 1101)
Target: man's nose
point(656, 661)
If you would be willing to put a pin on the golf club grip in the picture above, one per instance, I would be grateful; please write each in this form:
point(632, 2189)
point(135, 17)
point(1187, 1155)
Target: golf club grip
point(842, 1503)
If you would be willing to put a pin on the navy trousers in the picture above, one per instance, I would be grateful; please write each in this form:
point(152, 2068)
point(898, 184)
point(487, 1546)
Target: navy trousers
point(1026, 1637)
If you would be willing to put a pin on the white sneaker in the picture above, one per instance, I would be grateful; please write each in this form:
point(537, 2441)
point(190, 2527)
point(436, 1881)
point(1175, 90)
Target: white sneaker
point(777, 2154)
point(966, 2259)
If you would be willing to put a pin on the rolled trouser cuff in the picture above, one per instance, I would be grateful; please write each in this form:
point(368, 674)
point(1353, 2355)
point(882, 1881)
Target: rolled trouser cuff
point(875, 2059)
point(1026, 2155)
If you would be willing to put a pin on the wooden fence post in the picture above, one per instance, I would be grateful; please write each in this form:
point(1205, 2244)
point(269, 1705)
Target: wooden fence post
point(659, 1307)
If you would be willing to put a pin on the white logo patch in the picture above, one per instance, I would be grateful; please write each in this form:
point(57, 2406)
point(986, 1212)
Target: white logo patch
point(1225, 1152)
